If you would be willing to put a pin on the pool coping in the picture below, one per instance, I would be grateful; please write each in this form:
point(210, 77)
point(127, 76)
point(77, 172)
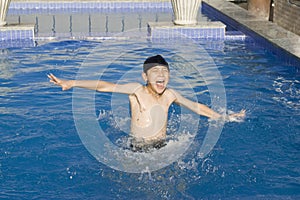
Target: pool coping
point(262, 30)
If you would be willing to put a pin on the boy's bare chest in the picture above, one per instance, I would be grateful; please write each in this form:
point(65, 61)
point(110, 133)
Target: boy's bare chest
point(145, 102)
point(148, 113)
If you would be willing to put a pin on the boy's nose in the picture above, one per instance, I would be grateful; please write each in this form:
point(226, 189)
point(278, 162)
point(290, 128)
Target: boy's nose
point(161, 72)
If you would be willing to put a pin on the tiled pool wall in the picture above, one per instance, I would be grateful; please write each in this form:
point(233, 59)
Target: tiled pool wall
point(17, 8)
point(60, 7)
point(123, 6)
point(89, 6)
point(17, 33)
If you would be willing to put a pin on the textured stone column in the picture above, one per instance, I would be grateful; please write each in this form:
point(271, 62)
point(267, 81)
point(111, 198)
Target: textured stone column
point(4, 4)
point(260, 8)
point(185, 11)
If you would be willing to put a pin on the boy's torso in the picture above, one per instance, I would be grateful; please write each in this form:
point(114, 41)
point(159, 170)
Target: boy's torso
point(149, 114)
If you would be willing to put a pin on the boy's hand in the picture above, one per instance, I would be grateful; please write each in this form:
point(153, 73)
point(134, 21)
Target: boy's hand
point(65, 84)
point(241, 114)
point(237, 116)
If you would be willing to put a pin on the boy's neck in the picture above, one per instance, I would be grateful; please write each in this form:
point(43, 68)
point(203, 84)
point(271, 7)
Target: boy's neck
point(152, 92)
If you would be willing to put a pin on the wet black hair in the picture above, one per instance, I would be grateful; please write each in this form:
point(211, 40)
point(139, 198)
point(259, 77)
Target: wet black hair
point(154, 61)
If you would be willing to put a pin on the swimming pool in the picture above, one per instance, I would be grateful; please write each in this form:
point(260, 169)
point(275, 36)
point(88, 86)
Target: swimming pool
point(42, 155)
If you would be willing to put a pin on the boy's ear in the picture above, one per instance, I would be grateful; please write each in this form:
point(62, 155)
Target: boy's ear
point(144, 75)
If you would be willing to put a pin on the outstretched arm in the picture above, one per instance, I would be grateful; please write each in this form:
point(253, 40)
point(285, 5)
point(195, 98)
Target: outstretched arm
point(202, 109)
point(101, 86)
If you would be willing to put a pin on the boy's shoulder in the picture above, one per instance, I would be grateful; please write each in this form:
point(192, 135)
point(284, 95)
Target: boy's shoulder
point(173, 94)
point(170, 93)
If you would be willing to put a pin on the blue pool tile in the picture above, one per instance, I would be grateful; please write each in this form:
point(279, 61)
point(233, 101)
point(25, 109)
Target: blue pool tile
point(17, 44)
point(88, 5)
point(207, 30)
point(17, 32)
point(235, 35)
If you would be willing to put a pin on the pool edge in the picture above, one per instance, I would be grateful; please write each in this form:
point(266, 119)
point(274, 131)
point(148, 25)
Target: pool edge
point(279, 41)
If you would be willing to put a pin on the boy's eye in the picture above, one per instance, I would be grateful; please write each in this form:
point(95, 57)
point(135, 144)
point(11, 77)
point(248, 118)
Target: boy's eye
point(159, 69)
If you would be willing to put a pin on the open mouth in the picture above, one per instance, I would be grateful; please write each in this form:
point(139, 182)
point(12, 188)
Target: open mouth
point(160, 83)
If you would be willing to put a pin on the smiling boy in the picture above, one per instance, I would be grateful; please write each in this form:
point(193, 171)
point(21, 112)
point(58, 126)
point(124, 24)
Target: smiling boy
point(149, 103)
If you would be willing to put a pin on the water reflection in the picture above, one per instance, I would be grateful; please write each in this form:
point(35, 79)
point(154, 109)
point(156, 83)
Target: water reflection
point(6, 71)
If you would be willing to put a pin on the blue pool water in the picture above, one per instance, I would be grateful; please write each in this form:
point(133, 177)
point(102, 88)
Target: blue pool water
point(43, 157)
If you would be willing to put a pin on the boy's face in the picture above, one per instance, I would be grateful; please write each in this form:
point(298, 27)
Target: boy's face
point(157, 78)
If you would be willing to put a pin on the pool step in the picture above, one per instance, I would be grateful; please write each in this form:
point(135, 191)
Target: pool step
point(203, 30)
point(16, 35)
point(235, 35)
point(209, 30)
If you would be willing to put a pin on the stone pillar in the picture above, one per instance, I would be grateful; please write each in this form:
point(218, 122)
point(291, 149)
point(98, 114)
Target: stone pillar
point(260, 8)
point(185, 11)
point(4, 4)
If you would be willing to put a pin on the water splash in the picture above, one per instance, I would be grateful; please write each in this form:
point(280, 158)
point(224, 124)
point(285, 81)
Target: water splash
point(191, 163)
point(287, 92)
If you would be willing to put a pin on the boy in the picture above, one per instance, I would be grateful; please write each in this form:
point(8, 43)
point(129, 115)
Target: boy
point(149, 103)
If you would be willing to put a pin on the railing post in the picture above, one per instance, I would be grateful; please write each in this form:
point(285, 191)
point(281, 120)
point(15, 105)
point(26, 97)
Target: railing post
point(185, 11)
point(4, 4)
